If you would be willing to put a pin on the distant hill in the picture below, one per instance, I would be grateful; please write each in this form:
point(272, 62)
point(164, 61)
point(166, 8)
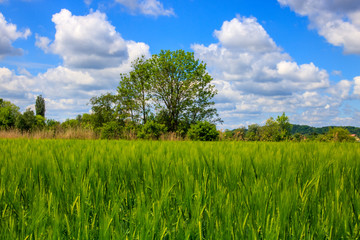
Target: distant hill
point(307, 130)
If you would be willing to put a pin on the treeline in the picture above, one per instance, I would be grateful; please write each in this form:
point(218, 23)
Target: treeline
point(88, 126)
point(10, 116)
point(168, 96)
point(314, 131)
point(272, 132)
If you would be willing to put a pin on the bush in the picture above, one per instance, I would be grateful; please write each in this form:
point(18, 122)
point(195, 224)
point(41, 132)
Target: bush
point(52, 124)
point(40, 122)
point(339, 134)
point(70, 124)
point(111, 130)
point(8, 114)
point(297, 137)
point(203, 131)
point(26, 121)
point(151, 130)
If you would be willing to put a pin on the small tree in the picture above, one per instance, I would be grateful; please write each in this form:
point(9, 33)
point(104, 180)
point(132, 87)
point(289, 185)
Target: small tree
point(8, 114)
point(270, 131)
point(284, 126)
point(104, 109)
point(52, 124)
point(151, 130)
point(40, 106)
point(111, 130)
point(253, 133)
point(26, 121)
point(339, 134)
point(203, 131)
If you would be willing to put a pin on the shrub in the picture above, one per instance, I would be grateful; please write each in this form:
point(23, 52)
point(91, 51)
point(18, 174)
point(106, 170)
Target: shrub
point(8, 114)
point(339, 134)
point(52, 124)
point(40, 122)
point(151, 130)
point(26, 121)
point(111, 130)
point(70, 124)
point(203, 131)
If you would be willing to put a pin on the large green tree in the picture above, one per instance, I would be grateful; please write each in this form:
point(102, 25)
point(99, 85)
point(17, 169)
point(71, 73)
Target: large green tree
point(134, 92)
point(181, 89)
point(40, 106)
point(172, 88)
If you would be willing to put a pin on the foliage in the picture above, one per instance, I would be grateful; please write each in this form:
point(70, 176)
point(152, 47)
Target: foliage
point(70, 123)
point(172, 88)
point(52, 124)
point(307, 130)
point(104, 109)
point(237, 134)
point(87, 121)
point(284, 126)
point(68, 189)
point(182, 88)
point(8, 114)
point(338, 134)
point(40, 106)
point(151, 130)
point(26, 121)
point(253, 133)
point(203, 131)
point(297, 137)
point(134, 92)
point(40, 122)
point(111, 130)
point(270, 131)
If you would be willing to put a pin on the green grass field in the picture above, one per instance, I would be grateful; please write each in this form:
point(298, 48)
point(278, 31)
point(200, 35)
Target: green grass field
point(73, 189)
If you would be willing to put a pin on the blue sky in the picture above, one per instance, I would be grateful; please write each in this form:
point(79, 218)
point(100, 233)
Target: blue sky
point(301, 57)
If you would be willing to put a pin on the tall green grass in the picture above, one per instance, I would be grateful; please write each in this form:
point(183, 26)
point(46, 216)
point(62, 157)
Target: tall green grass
point(73, 189)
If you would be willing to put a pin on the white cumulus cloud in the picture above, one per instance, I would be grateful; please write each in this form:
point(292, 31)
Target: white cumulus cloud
point(8, 34)
point(357, 86)
point(338, 21)
point(256, 79)
point(94, 54)
point(85, 41)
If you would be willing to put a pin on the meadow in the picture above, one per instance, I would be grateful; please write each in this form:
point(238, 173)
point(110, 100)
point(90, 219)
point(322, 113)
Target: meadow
point(99, 189)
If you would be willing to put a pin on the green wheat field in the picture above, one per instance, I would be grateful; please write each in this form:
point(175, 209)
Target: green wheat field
point(93, 189)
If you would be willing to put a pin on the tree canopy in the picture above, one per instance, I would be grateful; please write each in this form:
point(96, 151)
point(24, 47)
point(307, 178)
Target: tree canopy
point(40, 106)
point(172, 88)
point(8, 114)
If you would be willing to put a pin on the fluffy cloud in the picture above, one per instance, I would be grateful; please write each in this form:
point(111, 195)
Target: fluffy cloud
point(147, 7)
point(342, 89)
point(357, 86)
point(8, 34)
point(338, 21)
point(12, 85)
point(234, 35)
point(85, 41)
point(256, 79)
point(94, 55)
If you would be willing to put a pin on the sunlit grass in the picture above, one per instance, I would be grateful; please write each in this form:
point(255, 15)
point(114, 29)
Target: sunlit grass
point(77, 189)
